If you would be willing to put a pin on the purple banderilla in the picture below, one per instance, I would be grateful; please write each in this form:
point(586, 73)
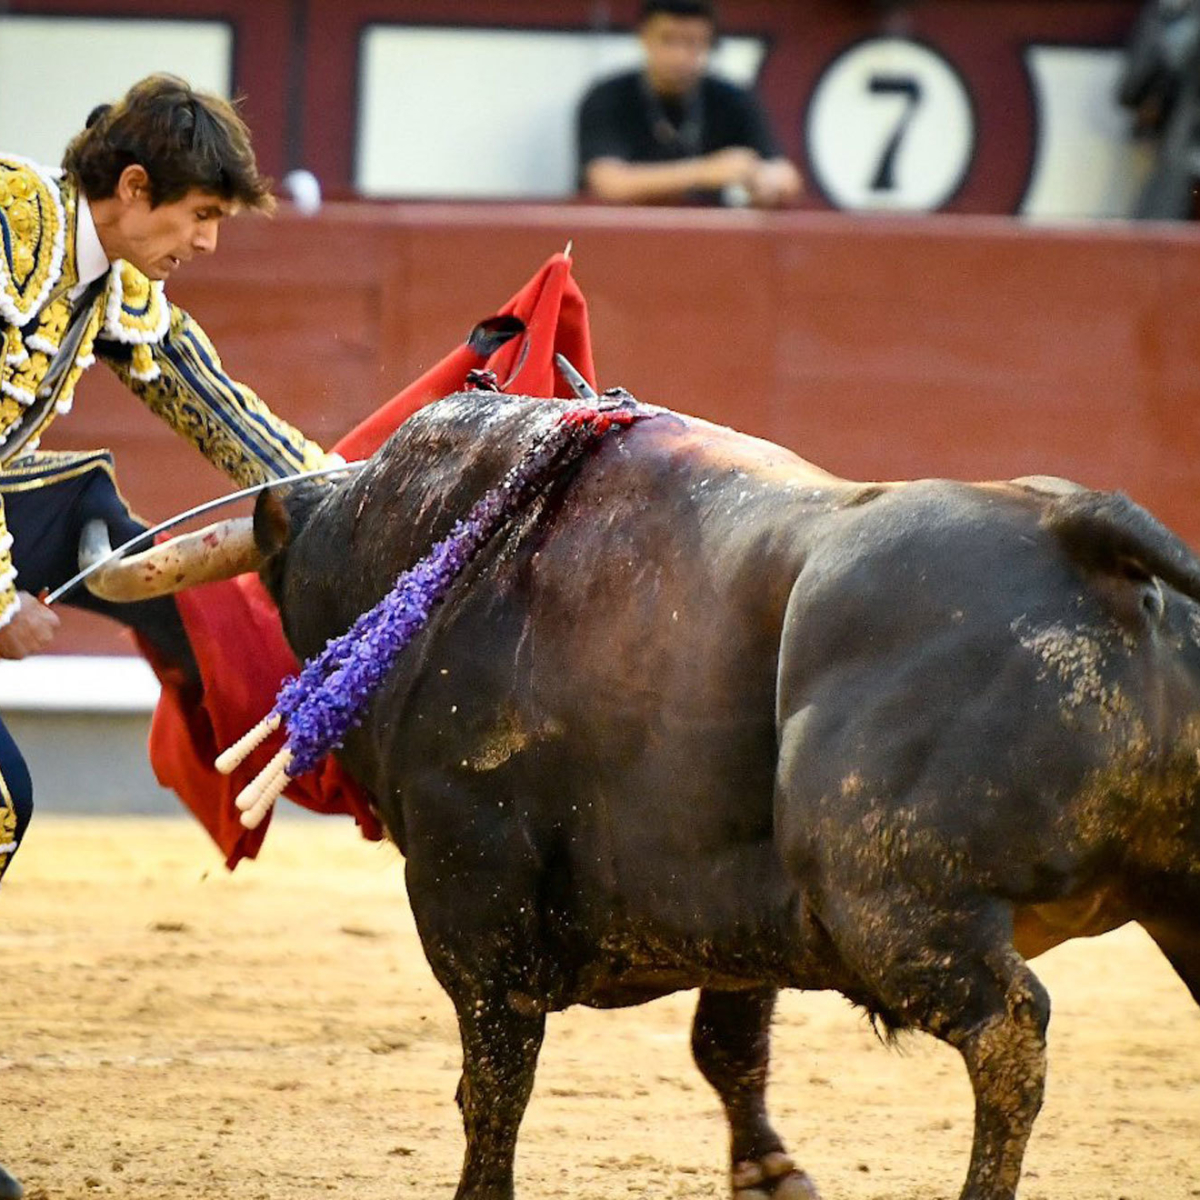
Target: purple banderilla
point(329, 697)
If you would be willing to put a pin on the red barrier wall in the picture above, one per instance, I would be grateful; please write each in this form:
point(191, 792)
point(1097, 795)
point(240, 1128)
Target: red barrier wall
point(880, 348)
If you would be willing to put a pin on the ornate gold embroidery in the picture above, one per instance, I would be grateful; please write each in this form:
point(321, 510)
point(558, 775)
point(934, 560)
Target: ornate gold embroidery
point(10, 410)
point(137, 310)
point(20, 380)
point(83, 359)
point(52, 323)
point(69, 194)
point(8, 826)
point(32, 239)
point(223, 419)
point(37, 211)
point(26, 376)
point(143, 365)
point(8, 817)
point(8, 588)
point(167, 397)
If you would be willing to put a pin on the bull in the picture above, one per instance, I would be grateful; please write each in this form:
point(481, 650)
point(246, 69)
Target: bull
point(706, 716)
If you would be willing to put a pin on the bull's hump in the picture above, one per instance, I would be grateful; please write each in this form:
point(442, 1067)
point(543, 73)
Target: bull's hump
point(727, 449)
point(466, 429)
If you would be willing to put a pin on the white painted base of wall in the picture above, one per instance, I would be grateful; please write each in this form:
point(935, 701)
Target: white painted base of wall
point(80, 683)
point(90, 762)
point(82, 722)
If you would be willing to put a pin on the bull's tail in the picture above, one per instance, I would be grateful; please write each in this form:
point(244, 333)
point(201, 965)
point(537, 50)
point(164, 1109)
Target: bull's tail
point(1108, 532)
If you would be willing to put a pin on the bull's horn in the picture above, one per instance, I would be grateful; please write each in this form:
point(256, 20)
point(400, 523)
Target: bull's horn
point(218, 551)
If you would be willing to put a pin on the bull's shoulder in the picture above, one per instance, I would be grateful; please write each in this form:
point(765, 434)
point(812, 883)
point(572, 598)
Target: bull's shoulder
point(463, 421)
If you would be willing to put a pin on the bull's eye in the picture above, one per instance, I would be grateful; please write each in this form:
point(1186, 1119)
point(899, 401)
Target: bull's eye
point(1152, 600)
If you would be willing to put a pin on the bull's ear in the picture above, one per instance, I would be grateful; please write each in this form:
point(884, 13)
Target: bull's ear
point(272, 521)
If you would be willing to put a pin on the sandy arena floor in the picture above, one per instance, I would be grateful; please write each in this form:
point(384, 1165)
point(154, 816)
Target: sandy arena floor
point(172, 1031)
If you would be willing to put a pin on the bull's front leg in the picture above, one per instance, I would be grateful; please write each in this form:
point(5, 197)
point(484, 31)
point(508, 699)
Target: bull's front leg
point(731, 1043)
point(472, 883)
point(500, 1051)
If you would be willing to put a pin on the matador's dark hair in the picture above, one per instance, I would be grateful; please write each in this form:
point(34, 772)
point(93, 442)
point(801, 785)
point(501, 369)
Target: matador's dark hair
point(184, 138)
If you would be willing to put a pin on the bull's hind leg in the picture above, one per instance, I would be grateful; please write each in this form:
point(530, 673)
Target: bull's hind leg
point(1005, 1055)
point(731, 1042)
point(500, 1051)
point(952, 972)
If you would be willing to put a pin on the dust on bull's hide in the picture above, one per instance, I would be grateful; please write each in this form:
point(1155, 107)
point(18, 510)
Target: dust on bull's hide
point(1140, 797)
point(1076, 657)
point(896, 833)
point(1007, 1057)
point(1141, 804)
point(507, 737)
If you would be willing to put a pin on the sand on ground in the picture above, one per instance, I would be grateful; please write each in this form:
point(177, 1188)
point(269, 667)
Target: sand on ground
point(175, 1031)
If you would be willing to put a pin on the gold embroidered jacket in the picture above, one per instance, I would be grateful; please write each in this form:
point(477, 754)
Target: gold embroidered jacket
point(153, 346)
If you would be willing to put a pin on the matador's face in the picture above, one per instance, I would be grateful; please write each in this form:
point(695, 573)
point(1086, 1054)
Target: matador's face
point(159, 238)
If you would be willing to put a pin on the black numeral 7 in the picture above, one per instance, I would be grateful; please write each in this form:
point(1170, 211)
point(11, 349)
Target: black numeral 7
point(884, 179)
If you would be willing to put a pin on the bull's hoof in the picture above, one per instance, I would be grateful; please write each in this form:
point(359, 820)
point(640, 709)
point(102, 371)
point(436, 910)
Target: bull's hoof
point(10, 1189)
point(772, 1177)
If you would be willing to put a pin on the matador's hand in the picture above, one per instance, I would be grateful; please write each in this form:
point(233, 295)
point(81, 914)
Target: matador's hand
point(31, 630)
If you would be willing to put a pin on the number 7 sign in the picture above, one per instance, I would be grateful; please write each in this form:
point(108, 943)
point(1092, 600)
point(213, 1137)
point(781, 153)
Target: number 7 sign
point(890, 125)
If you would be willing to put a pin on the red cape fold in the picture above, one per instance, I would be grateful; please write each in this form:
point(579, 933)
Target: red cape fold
point(235, 630)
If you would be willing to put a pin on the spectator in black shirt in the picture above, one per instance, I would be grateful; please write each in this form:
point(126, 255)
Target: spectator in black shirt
point(672, 132)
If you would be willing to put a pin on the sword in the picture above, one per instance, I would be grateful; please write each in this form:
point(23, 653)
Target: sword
point(576, 382)
point(171, 522)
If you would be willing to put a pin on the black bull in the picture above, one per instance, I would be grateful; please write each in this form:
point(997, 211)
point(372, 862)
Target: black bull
point(706, 716)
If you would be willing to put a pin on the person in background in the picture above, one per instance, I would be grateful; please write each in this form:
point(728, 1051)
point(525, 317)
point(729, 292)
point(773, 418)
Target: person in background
point(1160, 82)
point(83, 256)
point(672, 132)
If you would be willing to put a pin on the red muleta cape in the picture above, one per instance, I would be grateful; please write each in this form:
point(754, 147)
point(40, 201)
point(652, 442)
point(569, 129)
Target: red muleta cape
point(235, 630)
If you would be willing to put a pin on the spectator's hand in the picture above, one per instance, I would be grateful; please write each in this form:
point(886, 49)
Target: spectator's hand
point(774, 184)
point(31, 630)
point(721, 168)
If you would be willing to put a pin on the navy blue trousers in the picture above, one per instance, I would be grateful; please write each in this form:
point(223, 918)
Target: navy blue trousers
point(16, 798)
point(46, 516)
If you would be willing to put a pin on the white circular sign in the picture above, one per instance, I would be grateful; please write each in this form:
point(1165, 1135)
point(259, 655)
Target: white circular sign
point(890, 126)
